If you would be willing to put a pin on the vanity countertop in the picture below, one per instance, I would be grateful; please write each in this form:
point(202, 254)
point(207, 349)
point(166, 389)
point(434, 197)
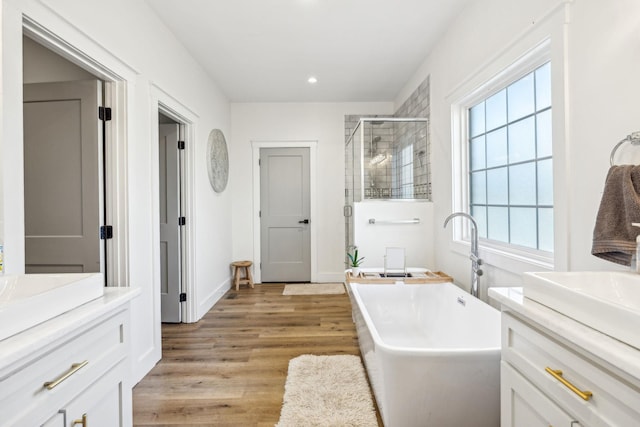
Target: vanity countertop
point(17, 349)
point(611, 352)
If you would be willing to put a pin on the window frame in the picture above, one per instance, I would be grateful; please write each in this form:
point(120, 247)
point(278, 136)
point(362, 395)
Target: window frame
point(519, 68)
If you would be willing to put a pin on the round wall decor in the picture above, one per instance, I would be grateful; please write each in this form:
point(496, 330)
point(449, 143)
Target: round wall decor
point(217, 160)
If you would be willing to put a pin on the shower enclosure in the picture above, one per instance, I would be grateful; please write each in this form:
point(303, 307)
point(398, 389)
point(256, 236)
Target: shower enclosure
point(385, 159)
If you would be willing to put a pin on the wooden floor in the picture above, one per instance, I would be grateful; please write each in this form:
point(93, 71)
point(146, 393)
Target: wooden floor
point(229, 369)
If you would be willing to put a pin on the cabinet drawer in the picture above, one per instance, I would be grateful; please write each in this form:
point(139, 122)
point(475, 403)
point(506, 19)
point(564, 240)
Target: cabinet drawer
point(24, 398)
point(523, 405)
point(614, 400)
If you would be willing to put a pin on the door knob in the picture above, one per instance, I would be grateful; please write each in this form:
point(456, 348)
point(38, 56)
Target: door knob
point(304, 221)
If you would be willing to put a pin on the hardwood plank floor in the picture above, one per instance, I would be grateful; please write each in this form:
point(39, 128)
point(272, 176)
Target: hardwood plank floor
point(229, 369)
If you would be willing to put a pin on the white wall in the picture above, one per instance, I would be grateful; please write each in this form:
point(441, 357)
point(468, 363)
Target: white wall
point(373, 239)
point(604, 86)
point(127, 39)
point(287, 122)
point(595, 51)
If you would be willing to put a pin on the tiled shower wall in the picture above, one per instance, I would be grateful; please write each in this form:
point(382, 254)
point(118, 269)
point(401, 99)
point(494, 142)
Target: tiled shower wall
point(393, 137)
point(418, 105)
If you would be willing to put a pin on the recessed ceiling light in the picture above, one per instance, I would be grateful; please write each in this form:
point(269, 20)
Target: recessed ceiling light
point(312, 80)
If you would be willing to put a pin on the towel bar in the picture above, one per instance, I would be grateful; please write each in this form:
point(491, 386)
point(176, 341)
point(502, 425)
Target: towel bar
point(633, 138)
point(395, 221)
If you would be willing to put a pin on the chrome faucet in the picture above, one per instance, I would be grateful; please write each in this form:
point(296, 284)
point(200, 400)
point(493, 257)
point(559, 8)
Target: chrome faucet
point(476, 262)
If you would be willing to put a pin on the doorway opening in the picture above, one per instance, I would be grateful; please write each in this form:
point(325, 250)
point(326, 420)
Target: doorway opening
point(171, 166)
point(48, 58)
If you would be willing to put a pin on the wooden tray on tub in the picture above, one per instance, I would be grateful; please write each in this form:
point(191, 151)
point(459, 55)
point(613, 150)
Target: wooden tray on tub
point(429, 277)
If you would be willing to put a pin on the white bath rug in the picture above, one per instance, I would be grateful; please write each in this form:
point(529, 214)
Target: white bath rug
point(327, 391)
point(313, 289)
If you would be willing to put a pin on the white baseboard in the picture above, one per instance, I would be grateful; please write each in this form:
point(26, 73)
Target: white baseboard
point(144, 364)
point(330, 277)
point(213, 298)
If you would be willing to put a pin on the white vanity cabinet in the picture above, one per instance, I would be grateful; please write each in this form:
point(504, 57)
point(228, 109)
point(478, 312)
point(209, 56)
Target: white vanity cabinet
point(558, 372)
point(71, 370)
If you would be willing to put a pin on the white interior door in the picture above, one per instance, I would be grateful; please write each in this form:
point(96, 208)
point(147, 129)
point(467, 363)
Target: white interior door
point(284, 215)
point(169, 225)
point(62, 177)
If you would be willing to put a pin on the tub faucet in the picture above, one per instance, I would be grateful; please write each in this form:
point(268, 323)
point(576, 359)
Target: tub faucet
point(476, 271)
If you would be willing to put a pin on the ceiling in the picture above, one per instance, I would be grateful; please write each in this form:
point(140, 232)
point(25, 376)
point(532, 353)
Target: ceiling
point(265, 50)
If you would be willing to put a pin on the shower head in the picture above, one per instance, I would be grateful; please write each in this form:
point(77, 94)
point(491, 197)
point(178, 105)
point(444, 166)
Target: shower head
point(373, 144)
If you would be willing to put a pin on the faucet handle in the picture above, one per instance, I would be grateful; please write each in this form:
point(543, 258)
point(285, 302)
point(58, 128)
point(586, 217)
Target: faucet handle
point(475, 259)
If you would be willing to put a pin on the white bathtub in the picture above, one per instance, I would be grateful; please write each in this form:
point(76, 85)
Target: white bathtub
point(432, 354)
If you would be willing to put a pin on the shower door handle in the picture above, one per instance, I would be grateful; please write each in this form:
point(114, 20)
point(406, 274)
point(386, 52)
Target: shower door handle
point(304, 221)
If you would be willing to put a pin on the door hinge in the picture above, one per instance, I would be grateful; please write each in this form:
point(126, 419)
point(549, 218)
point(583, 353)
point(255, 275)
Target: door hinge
point(259, 214)
point(182, 220)
point(183, 297)
point(106, 232)
point(180, 145)
point(259, 162)
point(104, 113)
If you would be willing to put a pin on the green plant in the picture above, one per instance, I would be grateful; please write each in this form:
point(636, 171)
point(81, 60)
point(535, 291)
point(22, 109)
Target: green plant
point(354, 261)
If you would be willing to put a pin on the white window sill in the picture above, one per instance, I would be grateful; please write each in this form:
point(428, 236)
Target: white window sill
point(508, 259)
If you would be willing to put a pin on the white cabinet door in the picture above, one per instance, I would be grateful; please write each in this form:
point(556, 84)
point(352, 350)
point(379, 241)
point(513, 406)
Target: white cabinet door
point(523, 405)
point(100, 403)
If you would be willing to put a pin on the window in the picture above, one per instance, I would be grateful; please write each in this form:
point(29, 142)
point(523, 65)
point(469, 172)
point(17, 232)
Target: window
point(405, 172)
point(510, 163)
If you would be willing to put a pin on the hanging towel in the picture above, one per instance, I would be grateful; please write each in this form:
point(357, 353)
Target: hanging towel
point(614, 238)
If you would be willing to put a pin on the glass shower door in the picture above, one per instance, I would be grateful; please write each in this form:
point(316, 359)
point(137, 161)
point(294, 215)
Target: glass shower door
point(349, 178)
point(353, 183)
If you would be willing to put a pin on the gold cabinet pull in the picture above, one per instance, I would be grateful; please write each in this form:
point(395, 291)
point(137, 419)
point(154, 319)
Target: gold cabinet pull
point(75, 367)
point(83, 421)
point(557, 374)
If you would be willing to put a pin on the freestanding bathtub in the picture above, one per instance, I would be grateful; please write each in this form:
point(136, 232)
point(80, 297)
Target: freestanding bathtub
point(432, 354)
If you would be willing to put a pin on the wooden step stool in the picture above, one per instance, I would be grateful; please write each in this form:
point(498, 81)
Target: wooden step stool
point(247, 279)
